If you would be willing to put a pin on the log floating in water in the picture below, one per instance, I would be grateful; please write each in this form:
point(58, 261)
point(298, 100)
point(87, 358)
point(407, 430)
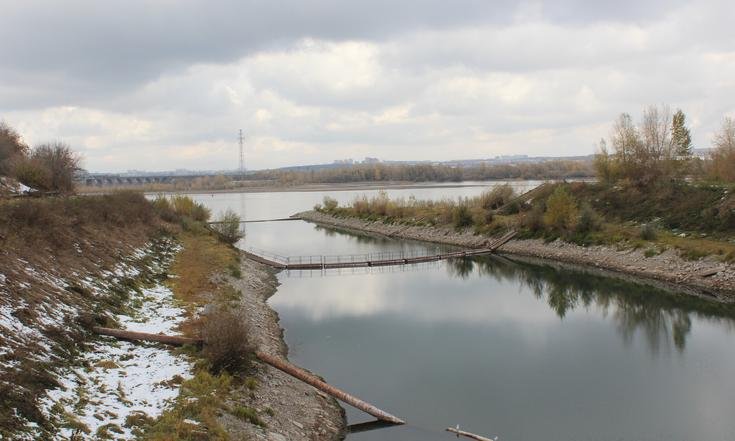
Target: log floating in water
point(467, 434)
point(313, 380)
point(145, 336)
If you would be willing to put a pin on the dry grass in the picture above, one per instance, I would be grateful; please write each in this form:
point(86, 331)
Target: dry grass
point(197, 265)
point(227, 344)
point(200, 400)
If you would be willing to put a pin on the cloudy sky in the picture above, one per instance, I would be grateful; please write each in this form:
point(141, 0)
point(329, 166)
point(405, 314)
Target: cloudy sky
point(165, 84)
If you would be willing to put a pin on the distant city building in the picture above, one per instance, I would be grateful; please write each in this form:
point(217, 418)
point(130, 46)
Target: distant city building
point(369, 160)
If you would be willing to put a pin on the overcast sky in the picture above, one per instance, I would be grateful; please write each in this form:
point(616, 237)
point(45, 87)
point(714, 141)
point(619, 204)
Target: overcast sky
point(156, 85)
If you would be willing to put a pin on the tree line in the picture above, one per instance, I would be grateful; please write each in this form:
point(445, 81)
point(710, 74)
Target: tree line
point(557, 169)
point(659, 149)
point(48, 167)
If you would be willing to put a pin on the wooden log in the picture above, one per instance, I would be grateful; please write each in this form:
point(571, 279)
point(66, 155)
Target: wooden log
point(467, 434)
point(276, 362)
point(313, 380)
point(145, 336)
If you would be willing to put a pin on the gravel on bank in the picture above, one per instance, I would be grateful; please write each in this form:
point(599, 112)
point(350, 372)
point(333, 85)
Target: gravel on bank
point(706, 277)
point(290, 409)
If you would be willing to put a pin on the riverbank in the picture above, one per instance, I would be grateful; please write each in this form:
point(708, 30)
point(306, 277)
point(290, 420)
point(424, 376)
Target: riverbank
point(706, 277)
point(289, 408)
point(70, 264)
point(275, 188)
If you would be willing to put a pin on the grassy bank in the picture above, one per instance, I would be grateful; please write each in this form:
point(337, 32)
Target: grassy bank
point(696, 220)
point(67, 264)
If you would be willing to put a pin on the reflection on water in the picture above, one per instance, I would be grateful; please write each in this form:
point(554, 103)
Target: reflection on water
point(521, 350)
point(664, 318)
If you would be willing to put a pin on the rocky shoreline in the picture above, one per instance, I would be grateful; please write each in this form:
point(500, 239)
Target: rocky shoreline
point(291, 410)
point(707, 277)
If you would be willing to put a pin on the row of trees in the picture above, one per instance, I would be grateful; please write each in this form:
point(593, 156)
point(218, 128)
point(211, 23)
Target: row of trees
point(430, 173)
point(46, 167)
point(659, 149)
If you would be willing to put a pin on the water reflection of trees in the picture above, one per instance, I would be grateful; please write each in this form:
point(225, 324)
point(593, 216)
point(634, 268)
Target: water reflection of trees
point(661, 316)
point(377, 239)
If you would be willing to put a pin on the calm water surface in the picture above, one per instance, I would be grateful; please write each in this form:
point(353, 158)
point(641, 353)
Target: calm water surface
point(506, 348)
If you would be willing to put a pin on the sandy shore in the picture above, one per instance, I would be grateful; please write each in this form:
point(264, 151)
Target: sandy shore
point(706, 277)
point(297, 410)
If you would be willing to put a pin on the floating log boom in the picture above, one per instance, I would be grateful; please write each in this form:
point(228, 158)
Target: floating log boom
point(369, 260)
point(467, 434)
point(313, 380)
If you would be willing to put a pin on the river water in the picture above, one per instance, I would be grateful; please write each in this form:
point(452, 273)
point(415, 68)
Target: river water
point(499, 346)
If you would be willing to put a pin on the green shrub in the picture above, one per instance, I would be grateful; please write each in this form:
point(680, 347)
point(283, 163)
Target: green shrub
point(496, 198)
point(461, 216)
point(330, 204)
point(589, 221)
point(227, 227)
point(248, 414)
point(185, 206)
point(648, 232)
point(533, 220)
point(561, 210)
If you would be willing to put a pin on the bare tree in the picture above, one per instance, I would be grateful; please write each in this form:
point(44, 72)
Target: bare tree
point(60, 163)
point(12, 148)
point(723, 156)
point(648, 152)
point(625, 138)
point(725, 138)
point(656, 133)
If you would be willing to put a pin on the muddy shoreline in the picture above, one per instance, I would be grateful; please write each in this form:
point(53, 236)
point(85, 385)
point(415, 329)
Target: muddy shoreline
point(666, 270)
point(291, 409)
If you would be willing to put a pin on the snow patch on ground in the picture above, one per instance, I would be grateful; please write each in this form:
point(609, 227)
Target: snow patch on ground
point(125, 378)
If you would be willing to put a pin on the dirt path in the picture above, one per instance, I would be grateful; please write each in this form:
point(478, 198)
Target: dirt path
point(290, 409)
point(706, 277)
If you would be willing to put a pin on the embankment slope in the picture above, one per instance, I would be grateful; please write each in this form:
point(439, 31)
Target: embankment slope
point(707, 277)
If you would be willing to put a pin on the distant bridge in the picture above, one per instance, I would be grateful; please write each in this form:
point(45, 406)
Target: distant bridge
point(112, 179)
point(367, 260)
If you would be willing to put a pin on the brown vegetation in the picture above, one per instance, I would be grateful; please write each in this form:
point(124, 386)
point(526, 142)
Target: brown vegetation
point(227, 344)
point(227, 227)
point(50, 248)
point(47, 167)
point(12, 147)
point(583, 213)
point(722, 165)
point(656, 149)
point(428, 173)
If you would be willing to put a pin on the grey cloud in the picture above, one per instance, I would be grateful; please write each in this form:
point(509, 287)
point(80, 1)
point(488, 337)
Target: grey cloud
point(168, 83)
point(95, 50)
